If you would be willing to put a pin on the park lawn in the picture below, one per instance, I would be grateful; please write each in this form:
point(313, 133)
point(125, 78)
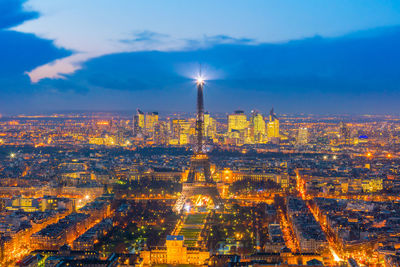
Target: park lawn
point(195, 218)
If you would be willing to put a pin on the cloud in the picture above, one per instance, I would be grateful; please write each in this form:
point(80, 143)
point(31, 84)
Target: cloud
point(141, 41)
point(146, 36)
point(20, 52)
point(107, 28)
point(153, 69)
point(210, 41)
point(59, 68)
point(13, 14)
point(354, 72)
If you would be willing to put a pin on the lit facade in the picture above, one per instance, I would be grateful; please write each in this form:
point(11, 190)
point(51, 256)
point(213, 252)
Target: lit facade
point(174, 252)
point(237, 121)
point(210, 128)
point(258, 127)
point(273, 126)
point(151, 120)
point(302, 136)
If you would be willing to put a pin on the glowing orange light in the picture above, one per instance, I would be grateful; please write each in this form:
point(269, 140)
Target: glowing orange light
point(335, 256)
point(369, 154)
point(389, 156)
point(200, 80)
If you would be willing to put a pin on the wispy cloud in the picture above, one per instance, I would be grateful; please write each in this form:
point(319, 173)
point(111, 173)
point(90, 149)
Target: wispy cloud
point(146, 37)
point(59, 68)
point(140, 42)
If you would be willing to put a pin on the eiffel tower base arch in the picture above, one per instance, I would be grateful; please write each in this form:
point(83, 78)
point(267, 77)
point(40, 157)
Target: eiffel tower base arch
point(193, 189)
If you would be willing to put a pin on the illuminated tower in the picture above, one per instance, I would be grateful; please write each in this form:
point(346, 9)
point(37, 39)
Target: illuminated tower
point(344, 132)
point(199, 180)
point(238, 127)
point(257, 127)
point(302, 136)
point(273, 126)
point(150, 122)
point(138, 122)
point(237, 121)
point(209, 126)
point(199, 146)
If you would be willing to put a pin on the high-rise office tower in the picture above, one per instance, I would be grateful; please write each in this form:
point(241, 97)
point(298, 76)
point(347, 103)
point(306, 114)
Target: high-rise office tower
point(344, 132)
point(161, 133)
point(257, 124)
point(180, 131)
point(302, 136)
point(210, 126)
point(151, 120)
point(237, 121)
point(273, 125)
point(138, 123)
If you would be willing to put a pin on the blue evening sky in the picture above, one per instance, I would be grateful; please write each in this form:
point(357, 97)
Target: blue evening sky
point(299, 56)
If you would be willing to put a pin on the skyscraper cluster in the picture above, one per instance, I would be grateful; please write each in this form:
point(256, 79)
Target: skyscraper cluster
point(241, 129)
point(253, 131)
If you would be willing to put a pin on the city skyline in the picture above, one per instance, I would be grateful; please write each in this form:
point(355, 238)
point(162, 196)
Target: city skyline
point(199, 133)
point(142, 190)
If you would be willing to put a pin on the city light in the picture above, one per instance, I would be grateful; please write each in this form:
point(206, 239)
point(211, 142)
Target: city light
point(141, 169)
point(187, 207)
point(335, 256)
point(200, 80)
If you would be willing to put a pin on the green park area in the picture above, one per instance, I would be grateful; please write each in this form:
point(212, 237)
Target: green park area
point(195, 218)
point(192, 228)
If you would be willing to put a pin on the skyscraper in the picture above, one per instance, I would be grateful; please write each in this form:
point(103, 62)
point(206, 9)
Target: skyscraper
point(302, 136)
point(209, 126)
point(273, 126)
point(344, 132)
point(257, 124)
point(237, 121)
point(151, 120)
point(138, 123)
point(161, 133)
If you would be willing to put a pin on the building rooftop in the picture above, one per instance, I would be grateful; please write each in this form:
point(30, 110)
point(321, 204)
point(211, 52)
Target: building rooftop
point(175, 237)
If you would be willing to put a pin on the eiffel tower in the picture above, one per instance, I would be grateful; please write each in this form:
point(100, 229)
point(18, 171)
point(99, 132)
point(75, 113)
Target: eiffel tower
point(199, 181)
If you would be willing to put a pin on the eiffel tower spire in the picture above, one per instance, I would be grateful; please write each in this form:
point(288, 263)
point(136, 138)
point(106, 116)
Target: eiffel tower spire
point(199, 180)
point(199, 147)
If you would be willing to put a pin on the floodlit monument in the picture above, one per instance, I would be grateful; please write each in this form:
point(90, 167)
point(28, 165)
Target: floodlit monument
point(199, 181)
